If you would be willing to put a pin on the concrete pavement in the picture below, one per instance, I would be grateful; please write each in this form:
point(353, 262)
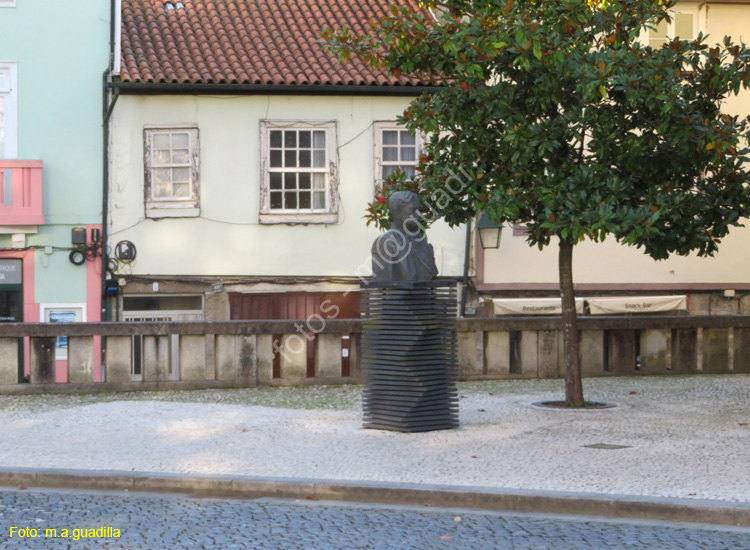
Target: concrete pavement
point(674, 448)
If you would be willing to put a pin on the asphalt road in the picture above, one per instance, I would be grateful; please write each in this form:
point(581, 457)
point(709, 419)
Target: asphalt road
point(177, 522)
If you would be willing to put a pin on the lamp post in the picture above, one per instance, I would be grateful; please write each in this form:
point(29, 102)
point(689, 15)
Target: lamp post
point(489, 232)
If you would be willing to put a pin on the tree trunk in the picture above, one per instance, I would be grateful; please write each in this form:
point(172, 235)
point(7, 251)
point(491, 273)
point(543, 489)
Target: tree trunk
point(573, 384)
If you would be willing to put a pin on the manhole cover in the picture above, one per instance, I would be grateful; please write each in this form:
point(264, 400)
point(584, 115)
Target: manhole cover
point(607, 446)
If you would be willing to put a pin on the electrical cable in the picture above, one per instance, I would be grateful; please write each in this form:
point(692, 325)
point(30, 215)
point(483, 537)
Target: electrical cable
point(78, 256)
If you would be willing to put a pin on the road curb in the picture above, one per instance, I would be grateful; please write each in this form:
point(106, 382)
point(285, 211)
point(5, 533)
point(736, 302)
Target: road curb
point(414, 494)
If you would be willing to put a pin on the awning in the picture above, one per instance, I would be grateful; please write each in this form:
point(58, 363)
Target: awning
point(636, 304)
point(532, 306)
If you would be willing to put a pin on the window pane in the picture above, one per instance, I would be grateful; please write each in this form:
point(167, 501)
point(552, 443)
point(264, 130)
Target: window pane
point(304, 181)
point(305, 139)
point(304, 200)
point(162, 175)
point(180, 174)
point(290, 159)
point(658, 37)
point(409, 153)
point(390, 154)
point(407, 138)
point(276, 200)
point(683, 26)
point(319, 181)
point(388, 170)
point(276, 138)
point(661, 30)
point(275, 180)
point(390, 137)
point(290, 181)
point(319, 158)
point(161, 141)
point(181, 190)
point(319, 139)
point(410, 171)
point(276, 159)
point(319, 200)
point(290, 138)
point(181, 156)
point(162, 190)
point(290, 199)
point(161, 156)
point(180, 141)
point(304, 159)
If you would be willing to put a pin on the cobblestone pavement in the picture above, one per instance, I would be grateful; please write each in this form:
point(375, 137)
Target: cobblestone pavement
point(177, 522)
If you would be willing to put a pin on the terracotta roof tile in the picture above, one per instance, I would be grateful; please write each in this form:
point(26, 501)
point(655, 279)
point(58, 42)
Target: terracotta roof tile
point(247, 42)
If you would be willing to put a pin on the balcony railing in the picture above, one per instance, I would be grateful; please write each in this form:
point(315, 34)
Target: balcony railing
point(21, 192)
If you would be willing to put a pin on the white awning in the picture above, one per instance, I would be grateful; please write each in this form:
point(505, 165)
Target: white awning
point(532, 306)
point(636, 304)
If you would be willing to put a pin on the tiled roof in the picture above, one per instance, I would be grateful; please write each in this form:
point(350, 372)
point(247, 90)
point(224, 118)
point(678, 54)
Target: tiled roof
point(257, 42)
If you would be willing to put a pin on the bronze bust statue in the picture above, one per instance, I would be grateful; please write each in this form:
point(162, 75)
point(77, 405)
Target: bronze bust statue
point(402, 254)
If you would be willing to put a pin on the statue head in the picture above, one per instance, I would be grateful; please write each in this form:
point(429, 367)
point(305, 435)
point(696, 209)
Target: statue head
point(403, 206)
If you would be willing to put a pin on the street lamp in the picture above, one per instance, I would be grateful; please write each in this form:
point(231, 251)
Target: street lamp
point(489, 232)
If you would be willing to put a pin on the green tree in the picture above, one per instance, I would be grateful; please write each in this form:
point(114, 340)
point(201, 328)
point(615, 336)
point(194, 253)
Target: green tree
point(566, 122)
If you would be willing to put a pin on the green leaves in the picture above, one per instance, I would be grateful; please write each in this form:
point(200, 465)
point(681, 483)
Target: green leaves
point(577, 129)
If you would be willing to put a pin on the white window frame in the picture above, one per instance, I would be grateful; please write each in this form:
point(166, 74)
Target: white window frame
point(171, 207)
point(328, 215)
point(682, 8)
point(9, 93)
point(391, 125)
point(7, 3)
point(78, 309)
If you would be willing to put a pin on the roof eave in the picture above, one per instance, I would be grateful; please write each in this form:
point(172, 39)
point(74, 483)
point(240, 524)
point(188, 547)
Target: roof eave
point(178, 88)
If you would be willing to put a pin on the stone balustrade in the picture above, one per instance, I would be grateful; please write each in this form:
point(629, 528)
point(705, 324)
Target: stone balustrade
point(192, 355)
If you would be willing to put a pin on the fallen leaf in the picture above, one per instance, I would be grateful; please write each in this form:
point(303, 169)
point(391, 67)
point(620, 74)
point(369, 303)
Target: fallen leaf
point(473, 456)
point(311, 498)
point(244, 430)
point(743, 423)
point(492, 394)
point(22, 488)
point(457, 518)
point(691, 494)
point(444, 537)
point(633, 393)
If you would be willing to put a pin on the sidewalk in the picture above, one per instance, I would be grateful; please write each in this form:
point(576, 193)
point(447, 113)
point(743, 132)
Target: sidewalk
point(685, 437)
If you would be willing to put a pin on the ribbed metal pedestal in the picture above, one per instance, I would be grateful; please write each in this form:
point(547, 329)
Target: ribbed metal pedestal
point(409, 358)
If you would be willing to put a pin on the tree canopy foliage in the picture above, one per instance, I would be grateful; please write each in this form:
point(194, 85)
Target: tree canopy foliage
point(568, 122)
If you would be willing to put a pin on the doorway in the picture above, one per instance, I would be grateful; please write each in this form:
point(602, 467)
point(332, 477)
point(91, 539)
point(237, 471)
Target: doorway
point(11, 300)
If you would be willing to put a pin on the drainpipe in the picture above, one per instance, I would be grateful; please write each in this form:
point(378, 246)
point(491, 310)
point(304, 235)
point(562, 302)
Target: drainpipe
point(107, 108)
point(467, 257)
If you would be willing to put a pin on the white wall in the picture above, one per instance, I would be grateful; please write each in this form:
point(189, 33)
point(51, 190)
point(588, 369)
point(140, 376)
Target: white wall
point(227, 238)
point(611, 263)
